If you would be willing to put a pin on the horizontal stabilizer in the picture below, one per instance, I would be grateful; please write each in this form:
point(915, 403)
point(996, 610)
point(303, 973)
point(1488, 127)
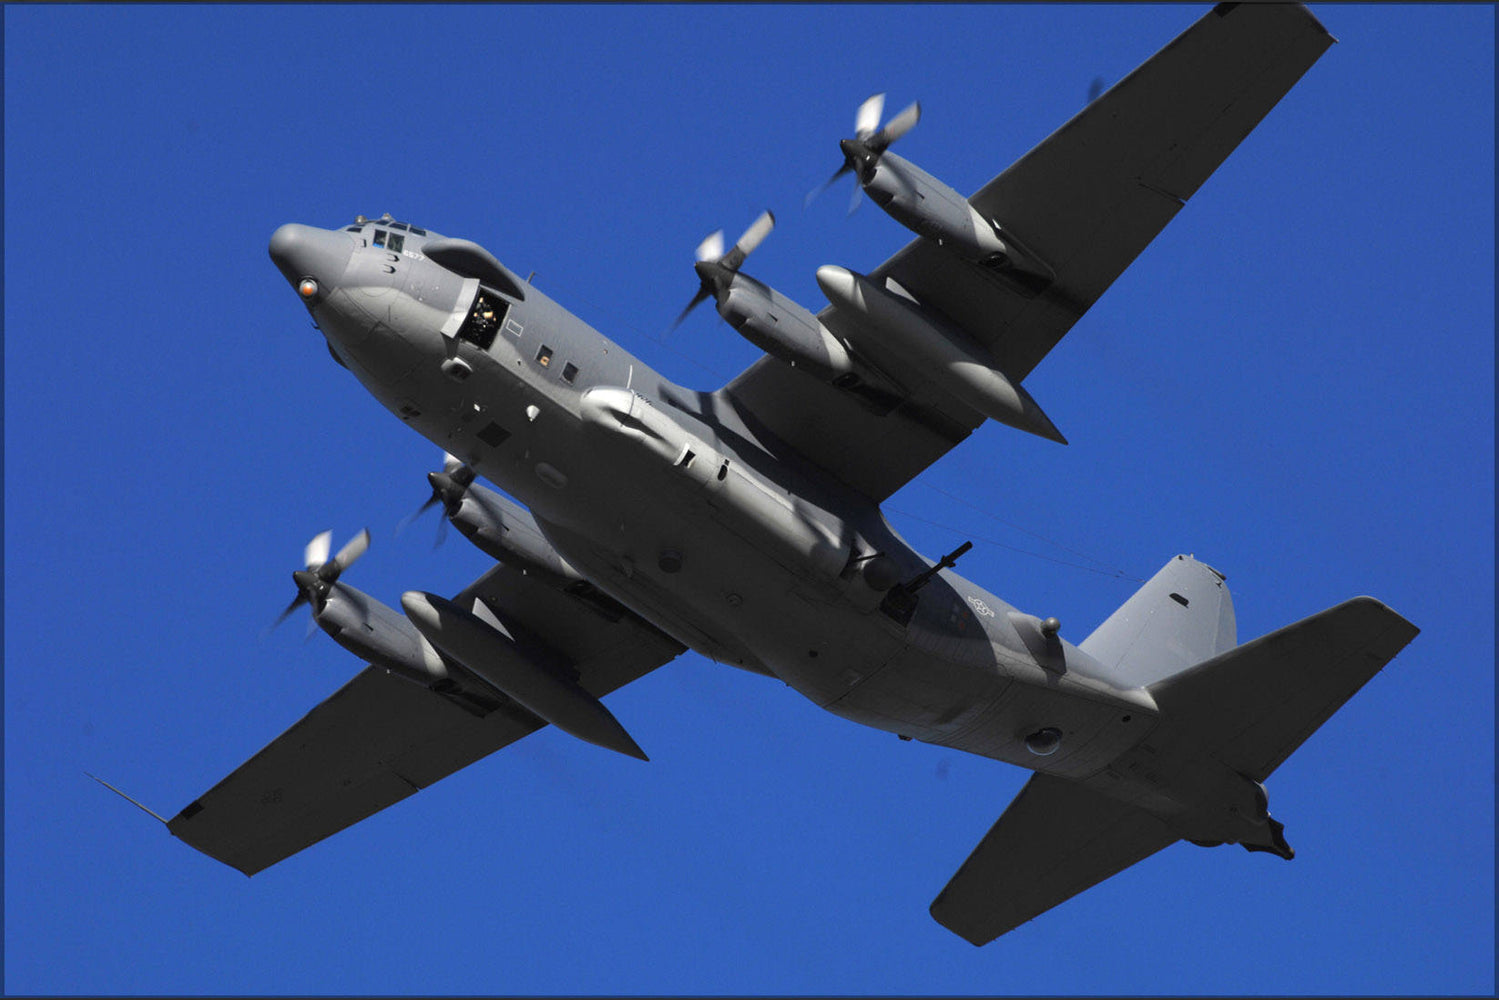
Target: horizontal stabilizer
point(1254, 705)
point(1055, 840)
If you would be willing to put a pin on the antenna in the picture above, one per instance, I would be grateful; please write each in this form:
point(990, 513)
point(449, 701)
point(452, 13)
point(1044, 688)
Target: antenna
point(127, 798)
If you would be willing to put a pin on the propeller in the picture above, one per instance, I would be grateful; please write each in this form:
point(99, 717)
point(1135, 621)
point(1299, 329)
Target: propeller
point(863, 151)
point(315, 582)
point(715, 269)
point(448, 487)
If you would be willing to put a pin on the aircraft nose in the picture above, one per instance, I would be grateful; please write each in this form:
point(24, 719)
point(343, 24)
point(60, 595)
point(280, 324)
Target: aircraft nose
point(308, 252)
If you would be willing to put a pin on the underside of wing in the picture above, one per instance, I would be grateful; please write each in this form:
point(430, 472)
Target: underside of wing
point(380, 738)
point(1083, 203)
point(1091, 196)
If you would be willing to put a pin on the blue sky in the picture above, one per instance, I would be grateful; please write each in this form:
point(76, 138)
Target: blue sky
point(1295, 382)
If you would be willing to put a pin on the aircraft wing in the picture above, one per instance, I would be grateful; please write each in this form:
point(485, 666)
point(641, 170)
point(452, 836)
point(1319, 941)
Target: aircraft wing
point(1086, 201)
point(379, 738)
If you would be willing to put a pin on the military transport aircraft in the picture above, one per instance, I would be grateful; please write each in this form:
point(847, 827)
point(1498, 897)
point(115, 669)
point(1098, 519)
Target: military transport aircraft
point(745, 523)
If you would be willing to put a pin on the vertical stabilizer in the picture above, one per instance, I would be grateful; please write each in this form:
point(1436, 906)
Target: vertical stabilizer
point(1180, 617)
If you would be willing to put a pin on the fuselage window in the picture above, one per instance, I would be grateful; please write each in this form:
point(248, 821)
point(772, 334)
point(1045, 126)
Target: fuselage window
point(569, 372)
point(484, 320)
point(544, 356)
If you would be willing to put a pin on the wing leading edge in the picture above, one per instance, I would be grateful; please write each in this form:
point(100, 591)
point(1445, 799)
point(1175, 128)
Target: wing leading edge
point(379, 739)
point(1086, 201)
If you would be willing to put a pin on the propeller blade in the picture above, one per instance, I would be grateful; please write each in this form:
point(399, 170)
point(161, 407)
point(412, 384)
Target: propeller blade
point(406, 522)
point(1095, 88)
point(758, 230)
point(853, 202)
point(702, 293)
point(755, 234)
point(813, 194)
point(351, 552)
point(442, 533)
point(711, 248)
point(896, 127)
point(451, 463)
point(867, 119)
point(311, 627)
point(316, 552)
point(296, 603)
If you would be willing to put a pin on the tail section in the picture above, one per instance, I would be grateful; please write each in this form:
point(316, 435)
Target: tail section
point(1229, 716)
point(1181, 617)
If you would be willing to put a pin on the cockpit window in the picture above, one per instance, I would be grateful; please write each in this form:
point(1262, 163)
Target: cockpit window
point(382, 234)
point(395, 242)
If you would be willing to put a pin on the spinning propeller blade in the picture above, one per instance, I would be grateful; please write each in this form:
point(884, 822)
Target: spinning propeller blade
point(862, 152)
point(314, 582)
point(716, 269)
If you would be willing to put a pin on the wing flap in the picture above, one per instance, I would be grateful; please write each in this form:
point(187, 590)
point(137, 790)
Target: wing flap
point(1055, 840)
point(379, 739)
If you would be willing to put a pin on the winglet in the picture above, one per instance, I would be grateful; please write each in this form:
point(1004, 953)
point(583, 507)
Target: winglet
point(127, 798)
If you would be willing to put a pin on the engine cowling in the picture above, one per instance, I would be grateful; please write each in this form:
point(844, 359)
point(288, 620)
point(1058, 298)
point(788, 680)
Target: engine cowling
point(930, 208)
point(375, 632)
point(783, 329)
point(506, 531)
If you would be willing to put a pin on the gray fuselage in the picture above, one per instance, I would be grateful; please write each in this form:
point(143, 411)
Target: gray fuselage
point(665, 500)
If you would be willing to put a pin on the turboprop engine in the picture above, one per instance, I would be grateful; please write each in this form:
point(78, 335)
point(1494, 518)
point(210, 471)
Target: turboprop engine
point(500, 528)
point(927, 206)
point(356, 621)
point(765, 317)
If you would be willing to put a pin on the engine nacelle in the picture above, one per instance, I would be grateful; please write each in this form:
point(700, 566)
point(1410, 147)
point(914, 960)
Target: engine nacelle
point(783, 329)
point(930, 208)
point(375, 632)
point(506, 531)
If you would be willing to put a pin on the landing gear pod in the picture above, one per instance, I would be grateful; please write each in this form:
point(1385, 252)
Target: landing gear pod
point(751, 508)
